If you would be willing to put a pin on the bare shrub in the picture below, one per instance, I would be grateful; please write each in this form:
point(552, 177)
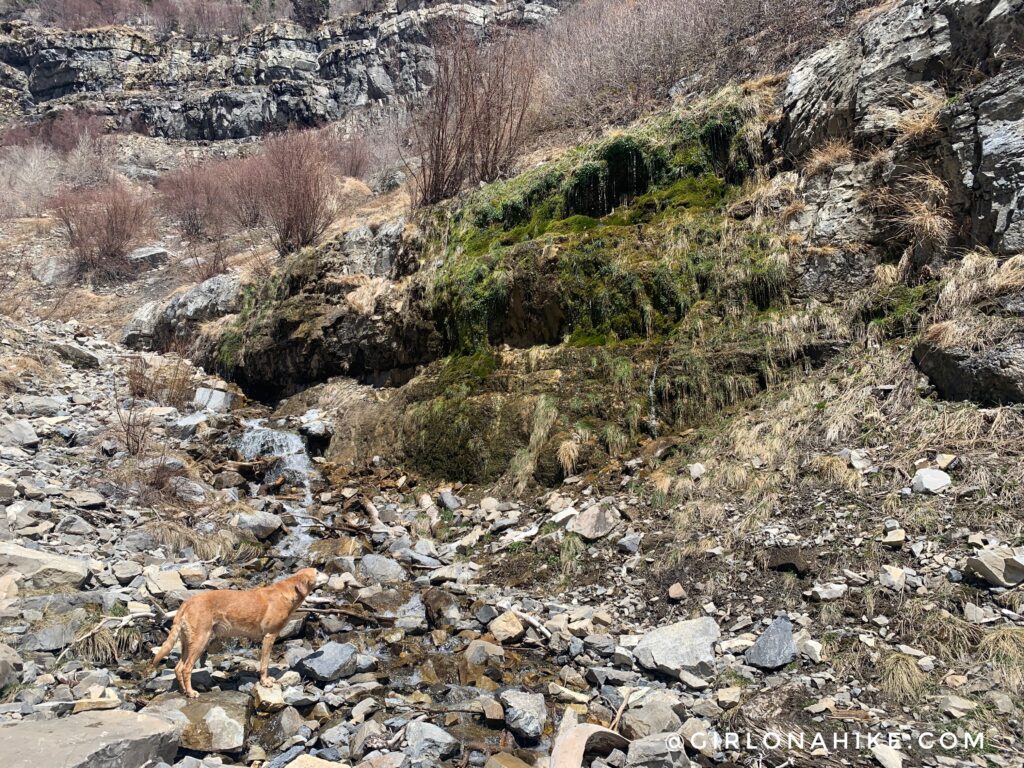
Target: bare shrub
point(193, 197)
point(475, 119)
point(28, 178)
point(351, 156)
point(134, 427)
point(190, 17)
point(608, 61)
point(101, 226)
point(298, 197)
point(310, 13)
point(243, 182)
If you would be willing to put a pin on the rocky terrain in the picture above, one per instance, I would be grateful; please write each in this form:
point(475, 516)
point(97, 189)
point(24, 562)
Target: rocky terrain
point(698, 443)
point(278, 76)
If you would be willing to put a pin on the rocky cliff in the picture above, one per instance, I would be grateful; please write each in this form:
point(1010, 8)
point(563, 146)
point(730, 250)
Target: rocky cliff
point(639, 283)
point(277, 76)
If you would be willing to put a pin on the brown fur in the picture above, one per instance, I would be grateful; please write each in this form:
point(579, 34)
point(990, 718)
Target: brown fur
point(258, 614)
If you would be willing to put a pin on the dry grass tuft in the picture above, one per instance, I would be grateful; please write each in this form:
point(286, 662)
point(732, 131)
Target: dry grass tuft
point(221, 544)
point(947, 636)
point(568, 455)
point(829, 155)
point(921, 119)
point(900, 677)
point(1004, 649)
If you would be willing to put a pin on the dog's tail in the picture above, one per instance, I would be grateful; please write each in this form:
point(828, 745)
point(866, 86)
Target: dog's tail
point(172, 637)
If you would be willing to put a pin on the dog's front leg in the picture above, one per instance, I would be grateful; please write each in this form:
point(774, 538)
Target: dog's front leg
point(268, 644)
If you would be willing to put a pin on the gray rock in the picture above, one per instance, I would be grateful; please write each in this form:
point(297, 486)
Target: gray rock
point(332, 661)
point(44, 569)
point(216, 400)
point(78, 356)
point(999, 566)
point(775, 647)
point(10, 666)
point(661, 750)
point(686, 646)
point(99, 739)
point(992, 375)
point(262, 525)
point(525, 713)
point(20, 434)
point(654, 717)
point(595, 522)
point(382, 570)
point(217, 721)
point(427, 740)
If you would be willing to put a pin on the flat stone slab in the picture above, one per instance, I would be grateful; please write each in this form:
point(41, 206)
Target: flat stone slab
point(109, 739)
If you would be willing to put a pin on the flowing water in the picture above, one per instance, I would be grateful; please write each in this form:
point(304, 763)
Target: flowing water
point(294, 465)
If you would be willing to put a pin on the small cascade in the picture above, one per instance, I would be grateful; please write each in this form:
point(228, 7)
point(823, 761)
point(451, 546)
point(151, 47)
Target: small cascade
point(652, 416)
point(294, 465)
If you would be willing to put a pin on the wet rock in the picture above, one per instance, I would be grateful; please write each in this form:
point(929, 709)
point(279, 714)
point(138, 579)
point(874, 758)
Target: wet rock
point(107, 739)
point(442, 608)
point(525, 713)
point(684, 646)
point(44, 569)
point(215, 722)
point(775, 647)
point(505, 760)
point(332, 661)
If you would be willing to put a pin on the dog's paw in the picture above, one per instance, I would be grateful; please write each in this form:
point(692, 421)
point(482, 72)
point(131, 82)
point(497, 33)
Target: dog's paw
point(266, 682)
point(191, 695)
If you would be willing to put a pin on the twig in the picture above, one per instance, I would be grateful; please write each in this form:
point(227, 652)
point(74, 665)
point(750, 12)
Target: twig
point(533, 622)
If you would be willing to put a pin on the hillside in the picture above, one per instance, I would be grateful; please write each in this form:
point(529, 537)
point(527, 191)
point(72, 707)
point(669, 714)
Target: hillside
point(690, 439)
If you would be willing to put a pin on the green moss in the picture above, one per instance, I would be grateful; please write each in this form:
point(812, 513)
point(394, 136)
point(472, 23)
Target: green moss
point(899, 310)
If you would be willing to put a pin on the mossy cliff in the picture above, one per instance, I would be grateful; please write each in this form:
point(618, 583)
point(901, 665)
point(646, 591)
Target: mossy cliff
point(623, 290)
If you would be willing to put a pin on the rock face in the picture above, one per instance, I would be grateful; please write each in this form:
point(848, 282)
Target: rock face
point(989, 376)
point(113, 739)
point(155, 325)
point(686, 646)
point(277, 76)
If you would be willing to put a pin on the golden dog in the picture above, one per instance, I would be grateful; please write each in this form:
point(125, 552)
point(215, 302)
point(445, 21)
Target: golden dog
point(258, 614)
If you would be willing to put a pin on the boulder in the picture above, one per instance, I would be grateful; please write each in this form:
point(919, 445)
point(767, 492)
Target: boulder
point(332, 661)
point(382, 570)
point(426, 740)
point(660, 750)
point(686, 646)
point(44, 569)
point(261, 524)
point(99, 739)
point(19, 434)
point(999, 566)
point(217, 721)
point(525, 713)
point(594, 522)
point(991, 375)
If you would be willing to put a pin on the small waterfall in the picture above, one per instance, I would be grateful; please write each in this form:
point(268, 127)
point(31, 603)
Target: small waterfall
point(652, 416)
point(294, 465)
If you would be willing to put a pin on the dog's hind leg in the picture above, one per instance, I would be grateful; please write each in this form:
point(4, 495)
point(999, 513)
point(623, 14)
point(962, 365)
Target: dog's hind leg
point(179, 668)
point(268, 644)
point(197, 645)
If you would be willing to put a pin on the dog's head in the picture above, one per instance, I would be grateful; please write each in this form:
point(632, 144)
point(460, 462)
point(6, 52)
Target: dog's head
point(310, 579)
